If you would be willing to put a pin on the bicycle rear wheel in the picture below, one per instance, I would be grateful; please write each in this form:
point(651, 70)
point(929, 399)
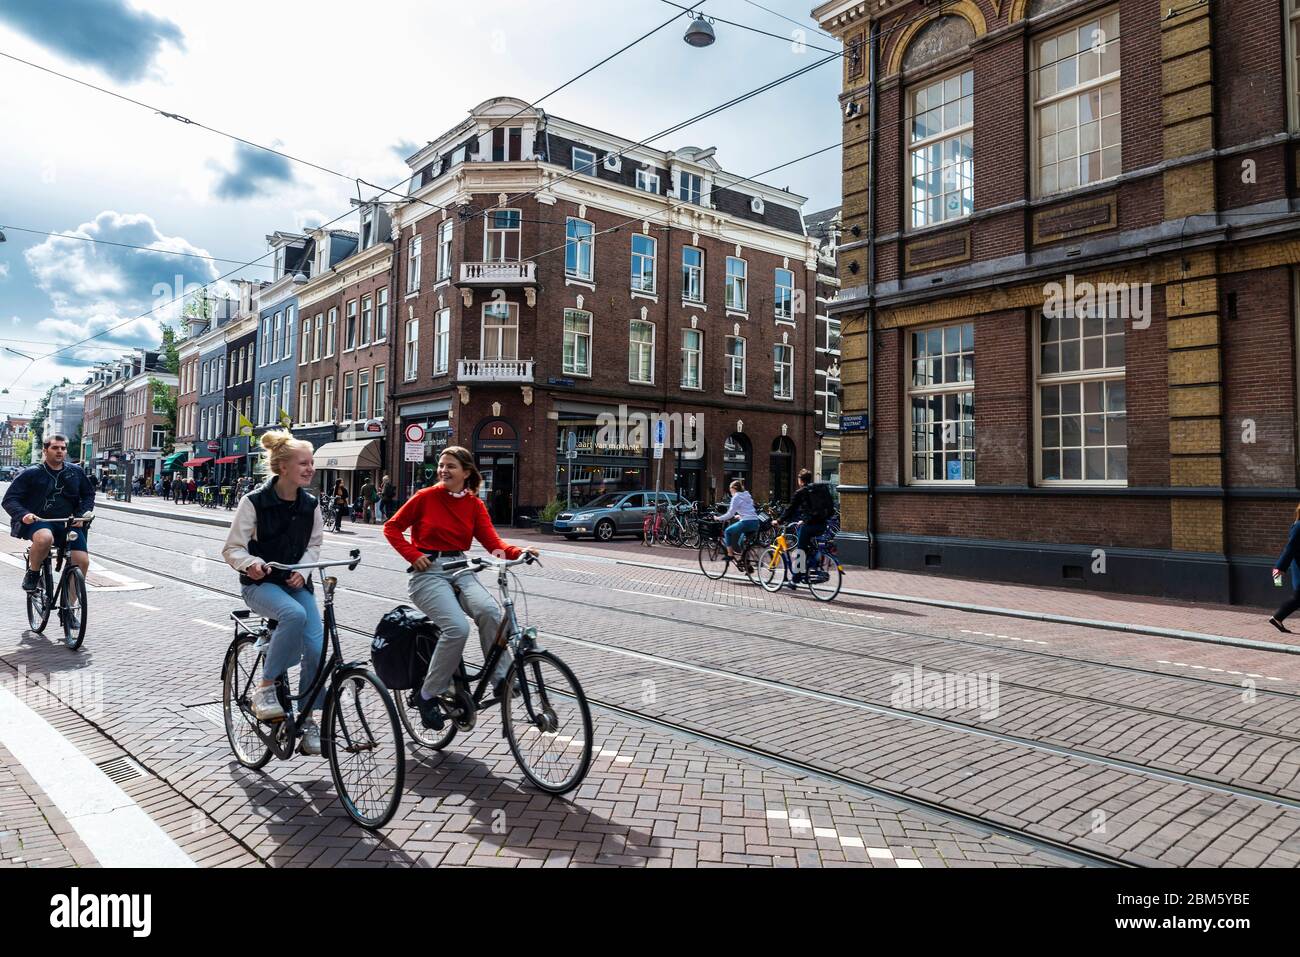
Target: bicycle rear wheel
point(40, 601)
point(414, 725)
point(825, 576)
point(713, 559)
point(771, 569)
point(238, 679)
point(548, 727)
point(748, 563)
point(73, 609)
point(363, 740)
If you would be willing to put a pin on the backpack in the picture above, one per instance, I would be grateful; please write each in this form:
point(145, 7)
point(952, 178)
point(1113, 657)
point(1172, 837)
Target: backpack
point(821, 504)
point(402, 648)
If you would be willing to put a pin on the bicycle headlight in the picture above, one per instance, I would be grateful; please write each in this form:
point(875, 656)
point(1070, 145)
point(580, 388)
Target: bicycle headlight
point(531, 632)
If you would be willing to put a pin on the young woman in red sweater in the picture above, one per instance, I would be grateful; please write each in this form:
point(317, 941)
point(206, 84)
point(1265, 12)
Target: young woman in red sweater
point(443, 521)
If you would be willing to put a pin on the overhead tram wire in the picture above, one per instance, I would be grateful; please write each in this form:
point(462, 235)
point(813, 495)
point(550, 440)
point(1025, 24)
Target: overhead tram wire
point(802, 26)
point(109, 242)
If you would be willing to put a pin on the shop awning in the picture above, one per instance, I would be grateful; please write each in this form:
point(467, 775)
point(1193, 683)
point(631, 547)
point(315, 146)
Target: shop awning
point(195, 463)
point(169, 463)
point(348, 456)
point(227, 459)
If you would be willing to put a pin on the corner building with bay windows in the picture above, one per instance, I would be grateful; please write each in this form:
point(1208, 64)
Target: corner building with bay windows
point(999, 155)
point(549, 274)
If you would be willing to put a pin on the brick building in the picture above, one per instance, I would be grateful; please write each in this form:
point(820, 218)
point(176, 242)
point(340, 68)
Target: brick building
point(824, 226)
point(532, 302)
point(144, 424)
point(1069, 290)
point(13, 427)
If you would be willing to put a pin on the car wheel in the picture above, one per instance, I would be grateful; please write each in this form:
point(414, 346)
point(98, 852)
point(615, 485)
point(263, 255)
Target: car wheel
point(604, 530)
point(572, 538)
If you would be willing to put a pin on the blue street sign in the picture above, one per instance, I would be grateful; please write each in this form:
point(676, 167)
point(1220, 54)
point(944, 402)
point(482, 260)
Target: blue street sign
point(853, 423)
point(661, 431)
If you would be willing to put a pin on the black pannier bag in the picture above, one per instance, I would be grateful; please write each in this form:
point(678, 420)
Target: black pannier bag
point(402, 647)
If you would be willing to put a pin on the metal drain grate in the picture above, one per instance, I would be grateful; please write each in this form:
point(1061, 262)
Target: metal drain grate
point(213, 712)
point(121, 770)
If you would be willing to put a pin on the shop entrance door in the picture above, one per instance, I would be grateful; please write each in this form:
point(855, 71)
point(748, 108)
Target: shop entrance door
point(498, 489)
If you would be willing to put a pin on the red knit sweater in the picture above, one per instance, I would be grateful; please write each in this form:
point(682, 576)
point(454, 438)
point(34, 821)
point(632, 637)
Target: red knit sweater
point(439, 522)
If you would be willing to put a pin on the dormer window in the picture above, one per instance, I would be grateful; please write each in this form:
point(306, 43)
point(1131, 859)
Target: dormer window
point(647, 181)
point(691, 188)
point(584, 161)
point(367, 230)
point(507, 144)
point(279, 262)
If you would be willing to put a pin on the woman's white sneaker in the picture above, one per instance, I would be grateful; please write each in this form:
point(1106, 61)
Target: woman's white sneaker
point(265, 704)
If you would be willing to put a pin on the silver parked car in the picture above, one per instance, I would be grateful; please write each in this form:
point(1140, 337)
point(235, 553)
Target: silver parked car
point(614, 513)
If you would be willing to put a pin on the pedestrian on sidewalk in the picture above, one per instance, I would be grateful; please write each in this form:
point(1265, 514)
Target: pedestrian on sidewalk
point(387, 499)
point(368, 498)
point(191, 488)
point(341, 504)
point(1290, 558)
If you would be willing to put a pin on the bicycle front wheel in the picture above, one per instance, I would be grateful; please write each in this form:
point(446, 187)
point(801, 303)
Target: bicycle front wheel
point(771, 569)
point(825, 576)
point(414, 725)
point(713, 559)
point(547, 722)
point(40, 601)
point(237, 684)
point(73, 608)
point(363, 740)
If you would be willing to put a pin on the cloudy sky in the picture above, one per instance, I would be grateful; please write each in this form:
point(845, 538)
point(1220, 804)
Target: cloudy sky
point(347, 86)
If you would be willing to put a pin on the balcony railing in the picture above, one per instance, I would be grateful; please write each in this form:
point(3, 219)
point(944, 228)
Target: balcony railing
point(498, 274)
point(495, 370)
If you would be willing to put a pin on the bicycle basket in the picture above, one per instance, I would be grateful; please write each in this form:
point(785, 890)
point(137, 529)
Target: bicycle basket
point(711, 528)
point(402, 647)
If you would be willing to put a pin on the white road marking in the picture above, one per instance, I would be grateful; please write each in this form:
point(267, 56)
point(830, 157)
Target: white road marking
point(96, 568)
point(114, 828)
point(989, 634)
point(745, 597)
point(210, 624)
point(144, 606)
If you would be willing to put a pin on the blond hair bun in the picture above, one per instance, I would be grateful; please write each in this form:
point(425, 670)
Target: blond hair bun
point(281, 446)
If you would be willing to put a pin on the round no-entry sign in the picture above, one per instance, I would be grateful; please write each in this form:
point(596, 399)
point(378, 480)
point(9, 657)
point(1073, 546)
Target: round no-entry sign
point(415, 432)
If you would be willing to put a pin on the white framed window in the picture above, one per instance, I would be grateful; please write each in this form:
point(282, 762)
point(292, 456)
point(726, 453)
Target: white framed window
point(692, 274)
point(1081, 401)
point(350, 326)
point(832, 404)
point(501, 237)
point(441, 341)
point(647, 181)
point(941, 399)
point(266, 340)
point(348, 380)
point(643, 263)
point(413, 264)
point(367, 319)
point(783, 298)
point(577, 342)
point(289, 315)
point(317, 339)
point(690, 187)
point(363, 394)
point(205, 379)
point(411, 358)
point(941, 149)
point(737, 284)
point(329, 399)
point(444, 250)
point(500, 339)
point(315, 401)
point(507, 144)
point(381, 315)
point(381, 375)
point(1076, 96)
point(641, 352)
point(692, 354)
point(331, 333)
point(579, 248)
point(832, 340)
point(735, 383)
point(303, 408)
point(304, 343)
point(584, 161)
point(261, 404)
point(275, 402)
point(277, 338)
point(1293, 60)
point(782, 371)
point(286, 392)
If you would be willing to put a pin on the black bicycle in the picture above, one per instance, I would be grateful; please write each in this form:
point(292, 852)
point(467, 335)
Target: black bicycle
point(70, 595)
point(544, 714)
point(361, 734)
point(714, 558)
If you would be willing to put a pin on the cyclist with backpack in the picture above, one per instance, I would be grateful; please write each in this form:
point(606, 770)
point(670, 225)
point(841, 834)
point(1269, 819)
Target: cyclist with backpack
point(815, 505)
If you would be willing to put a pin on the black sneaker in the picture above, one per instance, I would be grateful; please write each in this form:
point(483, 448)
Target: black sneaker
point(31, 581)
point(431, 715)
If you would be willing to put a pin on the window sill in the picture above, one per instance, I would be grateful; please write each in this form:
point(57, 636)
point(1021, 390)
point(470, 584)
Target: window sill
point(444, 281)
point(691, 388)
point(688, 304)
point(783, 398)
point(410, 295)
point(576, 375)
point(639, 382)
point(787, 322)
point(645, 295)
point(732, 313)
point(584, 283)
point(943, 483)
point(729, 392)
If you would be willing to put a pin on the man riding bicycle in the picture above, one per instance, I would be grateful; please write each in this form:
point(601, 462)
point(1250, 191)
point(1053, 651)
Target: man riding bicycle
point(56, 488)
point(814, 505)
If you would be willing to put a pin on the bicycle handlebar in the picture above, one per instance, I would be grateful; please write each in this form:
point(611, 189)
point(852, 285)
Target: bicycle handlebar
point(481, 563)
point(353, 561)
point(87, 517)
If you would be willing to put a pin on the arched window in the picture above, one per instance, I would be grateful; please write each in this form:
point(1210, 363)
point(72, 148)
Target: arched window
point(781, 470)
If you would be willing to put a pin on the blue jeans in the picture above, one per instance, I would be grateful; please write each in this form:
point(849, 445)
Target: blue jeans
point(746, 526)
point(808, 531)
point(299, 636)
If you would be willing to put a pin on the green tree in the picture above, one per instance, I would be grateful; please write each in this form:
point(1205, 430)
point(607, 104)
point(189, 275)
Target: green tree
point(23, 451)
point(74, 446)
point(164, 396)
point(170, 349)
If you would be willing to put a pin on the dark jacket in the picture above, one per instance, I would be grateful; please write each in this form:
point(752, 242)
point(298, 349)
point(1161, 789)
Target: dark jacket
point(283, 530)
point(31, 488)
point(798, 507)
point(1291, 556)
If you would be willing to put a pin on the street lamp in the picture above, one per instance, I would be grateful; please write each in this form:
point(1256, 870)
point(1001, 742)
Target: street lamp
point(700, 32)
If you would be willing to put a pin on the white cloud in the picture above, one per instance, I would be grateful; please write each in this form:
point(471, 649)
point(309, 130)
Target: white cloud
point(4, 270)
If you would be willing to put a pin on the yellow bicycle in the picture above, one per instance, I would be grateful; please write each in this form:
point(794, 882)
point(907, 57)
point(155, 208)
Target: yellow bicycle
point(778, 565)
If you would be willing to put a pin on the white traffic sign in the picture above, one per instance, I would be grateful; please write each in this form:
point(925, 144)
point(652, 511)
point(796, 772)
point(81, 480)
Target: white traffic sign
point(659, 450)
point(414, 432)
point(414, 452)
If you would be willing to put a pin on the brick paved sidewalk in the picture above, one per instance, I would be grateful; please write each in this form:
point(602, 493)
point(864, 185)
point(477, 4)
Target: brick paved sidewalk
point(1135, 612)
point(33, 833)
